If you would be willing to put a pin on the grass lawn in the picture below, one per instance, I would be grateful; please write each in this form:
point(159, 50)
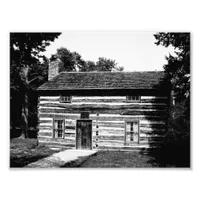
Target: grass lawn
point(171, 154)
point(25, 151)
point(121, 159)
point(167, 156)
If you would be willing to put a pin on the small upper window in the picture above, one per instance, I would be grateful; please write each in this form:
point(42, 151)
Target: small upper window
point(65, 99)
point(133, 98)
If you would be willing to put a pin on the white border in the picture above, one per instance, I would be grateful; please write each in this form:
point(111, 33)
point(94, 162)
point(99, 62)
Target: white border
point(99, 15)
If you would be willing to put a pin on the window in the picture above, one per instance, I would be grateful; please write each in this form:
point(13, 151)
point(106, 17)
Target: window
point(58, 128)
point(133, 98)
point(132, 131)
point(65, 99)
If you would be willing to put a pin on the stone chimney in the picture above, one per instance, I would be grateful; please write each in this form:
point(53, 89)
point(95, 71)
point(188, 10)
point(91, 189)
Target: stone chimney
point(53, 69)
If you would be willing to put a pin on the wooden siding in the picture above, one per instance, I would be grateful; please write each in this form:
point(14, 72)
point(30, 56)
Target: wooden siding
point(109, 115)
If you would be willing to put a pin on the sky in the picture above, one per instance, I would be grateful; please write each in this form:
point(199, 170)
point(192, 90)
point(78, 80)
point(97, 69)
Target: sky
point(135, 51)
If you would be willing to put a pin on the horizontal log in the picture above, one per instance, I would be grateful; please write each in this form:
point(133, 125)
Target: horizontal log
point(49, 97)
point(100, 100)
point(102, 97)
point(121, 112)
point(98, 106)
point(69, 131)
point(45, 121)
point(142, 122)
point(50, 131)
point(107, 102)
point(44, 137)
point(110, 137)
point(47, 107)
point(42, 100)
point(67, 139)
point(152, 132)
point(114, 125)
point(110, 144)
point(107, 128)
point(115, 142)
point(49, 123)
point(152, 139)
point(165, 101)
point(45, 133)
point(124, 147)
point(70, 136)
point(98, 97)
point(60, 116)
point(151, 142)
point(152, 122)
point(152, 125)
point(45, 128)
point(152, 129)
point(109, 133)
point(153, 97)
point(56, 141)
point(143, 112)
point(129, 118)
point(102, 117)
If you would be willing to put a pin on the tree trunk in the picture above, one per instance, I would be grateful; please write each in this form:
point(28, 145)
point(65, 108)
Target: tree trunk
point(25, 117)
point(25, 106)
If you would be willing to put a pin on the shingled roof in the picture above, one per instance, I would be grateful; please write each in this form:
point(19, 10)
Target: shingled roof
point(103, 80)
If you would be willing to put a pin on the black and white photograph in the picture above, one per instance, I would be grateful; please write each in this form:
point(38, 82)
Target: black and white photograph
point(100, 99)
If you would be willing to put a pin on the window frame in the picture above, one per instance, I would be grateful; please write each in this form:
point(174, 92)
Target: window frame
point(63, 100)
point(130, 101)
point(63, 129)
point(125, 131)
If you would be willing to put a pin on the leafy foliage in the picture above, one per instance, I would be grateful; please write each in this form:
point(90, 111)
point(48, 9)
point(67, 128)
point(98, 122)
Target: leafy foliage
point(25, 51)
point(178, 67)
point(72, 61)
point(67, 59)
point(27, 72)
point(104, 64)
point(178, 73)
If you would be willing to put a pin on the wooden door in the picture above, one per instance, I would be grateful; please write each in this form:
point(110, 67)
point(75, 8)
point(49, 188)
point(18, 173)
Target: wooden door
point(84, 134)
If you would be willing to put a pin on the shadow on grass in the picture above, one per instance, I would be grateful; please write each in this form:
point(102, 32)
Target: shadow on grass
point(21, 161)
point(171, 154)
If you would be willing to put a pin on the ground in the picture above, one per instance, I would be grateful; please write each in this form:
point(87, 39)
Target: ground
point(122, 159)
point(25, 151)
point(171, 154)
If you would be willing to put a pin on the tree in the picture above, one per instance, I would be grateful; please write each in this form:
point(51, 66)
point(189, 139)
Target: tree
point(72, 61)
point(178, 67)
point(25, 51)
point(104, 64)
point(69, 61)
point(177, 71)
point(88, 66)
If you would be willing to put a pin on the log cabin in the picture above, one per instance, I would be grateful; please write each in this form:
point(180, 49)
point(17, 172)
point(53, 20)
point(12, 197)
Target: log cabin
point(126, 109)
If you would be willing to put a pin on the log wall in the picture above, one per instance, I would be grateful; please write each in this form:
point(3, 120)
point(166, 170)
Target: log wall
point(109, 115)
